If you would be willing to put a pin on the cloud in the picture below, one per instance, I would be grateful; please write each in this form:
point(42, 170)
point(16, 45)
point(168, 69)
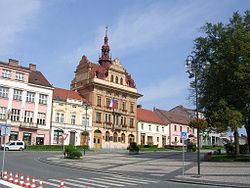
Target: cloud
point(15, 17)
point(171, 87)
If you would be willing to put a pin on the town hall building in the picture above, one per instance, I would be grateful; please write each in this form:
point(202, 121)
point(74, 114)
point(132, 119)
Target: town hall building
point(112, 93)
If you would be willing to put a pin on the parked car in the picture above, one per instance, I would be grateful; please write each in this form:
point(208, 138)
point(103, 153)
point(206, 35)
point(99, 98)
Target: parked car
point(14, 145)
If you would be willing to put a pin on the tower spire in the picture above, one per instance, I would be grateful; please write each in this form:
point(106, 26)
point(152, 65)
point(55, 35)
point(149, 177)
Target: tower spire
point(105, 57)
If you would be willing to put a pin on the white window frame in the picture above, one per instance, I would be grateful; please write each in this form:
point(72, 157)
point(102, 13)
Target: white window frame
point(3, 111)
point(41, 118)
point(30, 97)
point(60, 117)
point(4, 91)
point(73, 119)
point(6, 73)
point(17, 95)
point(19, 76)
point(28, 116)
point(15, 114)
point(84, 121)
point(43, 99)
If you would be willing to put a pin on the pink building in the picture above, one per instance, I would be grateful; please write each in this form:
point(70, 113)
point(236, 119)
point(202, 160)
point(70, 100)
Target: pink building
point(25, 103)
point(177, 123)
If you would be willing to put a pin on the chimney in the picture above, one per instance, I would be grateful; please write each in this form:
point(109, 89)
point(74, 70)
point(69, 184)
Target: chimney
point(32, 67)
point(13, 62)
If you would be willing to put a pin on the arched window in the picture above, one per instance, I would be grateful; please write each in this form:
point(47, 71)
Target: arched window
point(121, 81)
point(123, 138)
point(112, 78)
point(131, 138)
point(116, 80)
point(107, 136)
point(115, 137)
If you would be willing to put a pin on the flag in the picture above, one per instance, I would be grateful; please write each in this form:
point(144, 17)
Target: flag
point(113, 103)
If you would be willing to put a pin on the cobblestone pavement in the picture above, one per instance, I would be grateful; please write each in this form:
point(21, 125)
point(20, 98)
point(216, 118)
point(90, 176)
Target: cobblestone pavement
point(160, 165)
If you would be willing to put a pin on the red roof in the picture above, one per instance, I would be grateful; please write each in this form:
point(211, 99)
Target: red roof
point(64, 94)
point(148, 116)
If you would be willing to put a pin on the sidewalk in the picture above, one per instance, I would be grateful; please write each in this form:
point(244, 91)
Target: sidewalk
point(160, 165)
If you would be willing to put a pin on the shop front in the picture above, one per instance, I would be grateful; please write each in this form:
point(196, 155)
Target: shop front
point(27, 138)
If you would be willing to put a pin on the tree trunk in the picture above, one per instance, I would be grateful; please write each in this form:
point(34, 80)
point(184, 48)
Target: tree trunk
point(247, 127)
point(236, 140)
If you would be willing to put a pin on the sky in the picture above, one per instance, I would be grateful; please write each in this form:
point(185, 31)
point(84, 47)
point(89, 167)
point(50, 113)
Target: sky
point(152, 38)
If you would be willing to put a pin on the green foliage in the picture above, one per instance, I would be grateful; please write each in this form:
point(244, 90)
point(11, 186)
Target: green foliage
point(44, 147)
point(230, 148)
point(199, 123)
point(133, 147)
point(191, 147)
point(212, 147)
point(85, 133)
point(72, 153)
point(223, 85)
point(244, 149)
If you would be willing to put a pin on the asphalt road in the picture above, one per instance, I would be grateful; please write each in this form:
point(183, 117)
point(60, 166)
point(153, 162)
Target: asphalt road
point(28, 164)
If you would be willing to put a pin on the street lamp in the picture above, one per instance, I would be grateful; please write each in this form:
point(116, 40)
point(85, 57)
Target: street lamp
point(86, 105)
point(192, 71)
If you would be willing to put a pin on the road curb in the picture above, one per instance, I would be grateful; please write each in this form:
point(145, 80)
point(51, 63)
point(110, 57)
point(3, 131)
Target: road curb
point(205, 183)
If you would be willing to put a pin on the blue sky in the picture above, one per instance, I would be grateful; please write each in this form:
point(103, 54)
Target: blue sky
point(152, 38)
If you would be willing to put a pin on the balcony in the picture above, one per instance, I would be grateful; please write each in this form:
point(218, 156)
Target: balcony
point(29, 125)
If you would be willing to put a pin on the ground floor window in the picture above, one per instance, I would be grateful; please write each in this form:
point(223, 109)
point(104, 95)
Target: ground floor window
point(40, 139)
point(27, 138)
point(13, 135)
point(57, 139)
point(123, 138)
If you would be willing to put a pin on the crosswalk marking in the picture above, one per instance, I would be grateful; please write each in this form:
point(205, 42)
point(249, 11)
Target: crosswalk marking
point(68, 183)
point(106, 183)
point(132, 181)
point(117, 181)
point(87, 183)
point(56, 185)
point(136, 179)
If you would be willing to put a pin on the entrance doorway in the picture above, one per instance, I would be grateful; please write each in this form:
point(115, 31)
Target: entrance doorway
point(142, 138)
point(40, 139)
point(72, 138)
point(97, 139)
point(27, 138)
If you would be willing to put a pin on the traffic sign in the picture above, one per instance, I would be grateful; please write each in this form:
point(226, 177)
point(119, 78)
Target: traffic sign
point(5, 130)
point(184, 135)
point(64, 136)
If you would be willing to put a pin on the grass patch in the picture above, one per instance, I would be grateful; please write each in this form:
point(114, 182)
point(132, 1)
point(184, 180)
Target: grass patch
point(212, 147)
point(227, 158)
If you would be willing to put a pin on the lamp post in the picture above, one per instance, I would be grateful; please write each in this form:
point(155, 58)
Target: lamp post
point(192, 71)
point(86, 105)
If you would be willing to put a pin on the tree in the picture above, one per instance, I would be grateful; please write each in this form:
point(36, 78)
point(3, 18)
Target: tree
point(224, 86)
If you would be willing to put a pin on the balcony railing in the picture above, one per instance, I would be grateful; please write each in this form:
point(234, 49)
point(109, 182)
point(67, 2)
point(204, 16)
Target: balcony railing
point(28, 125)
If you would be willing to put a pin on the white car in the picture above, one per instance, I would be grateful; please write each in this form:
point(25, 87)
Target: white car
point(14, 145)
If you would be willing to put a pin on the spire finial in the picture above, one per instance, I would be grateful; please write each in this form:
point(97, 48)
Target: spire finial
point(106, 31)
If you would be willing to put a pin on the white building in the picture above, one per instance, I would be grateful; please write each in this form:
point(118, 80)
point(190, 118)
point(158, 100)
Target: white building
point(151, 129)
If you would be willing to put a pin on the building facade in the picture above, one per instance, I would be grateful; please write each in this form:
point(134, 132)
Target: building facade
point(113, 96)
point(178, 123)
point(207, 137)
point(25, 103)
point(151, 129)
point(71, 119)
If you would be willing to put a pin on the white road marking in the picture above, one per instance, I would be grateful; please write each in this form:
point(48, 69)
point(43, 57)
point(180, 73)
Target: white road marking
point(132, 181)
point(68, 183)
point(117, 181)
point(135, 179)
point(87, 183)
point(56, 185)
point(107, 183)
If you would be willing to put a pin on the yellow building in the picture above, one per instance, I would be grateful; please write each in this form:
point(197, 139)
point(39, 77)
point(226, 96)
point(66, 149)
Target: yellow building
point(71, 119)
point(113, 96)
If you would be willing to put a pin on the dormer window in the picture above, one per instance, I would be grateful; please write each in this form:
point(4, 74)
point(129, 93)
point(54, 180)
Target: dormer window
point(116, 80)
point(112, 78)
point(121, 81)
